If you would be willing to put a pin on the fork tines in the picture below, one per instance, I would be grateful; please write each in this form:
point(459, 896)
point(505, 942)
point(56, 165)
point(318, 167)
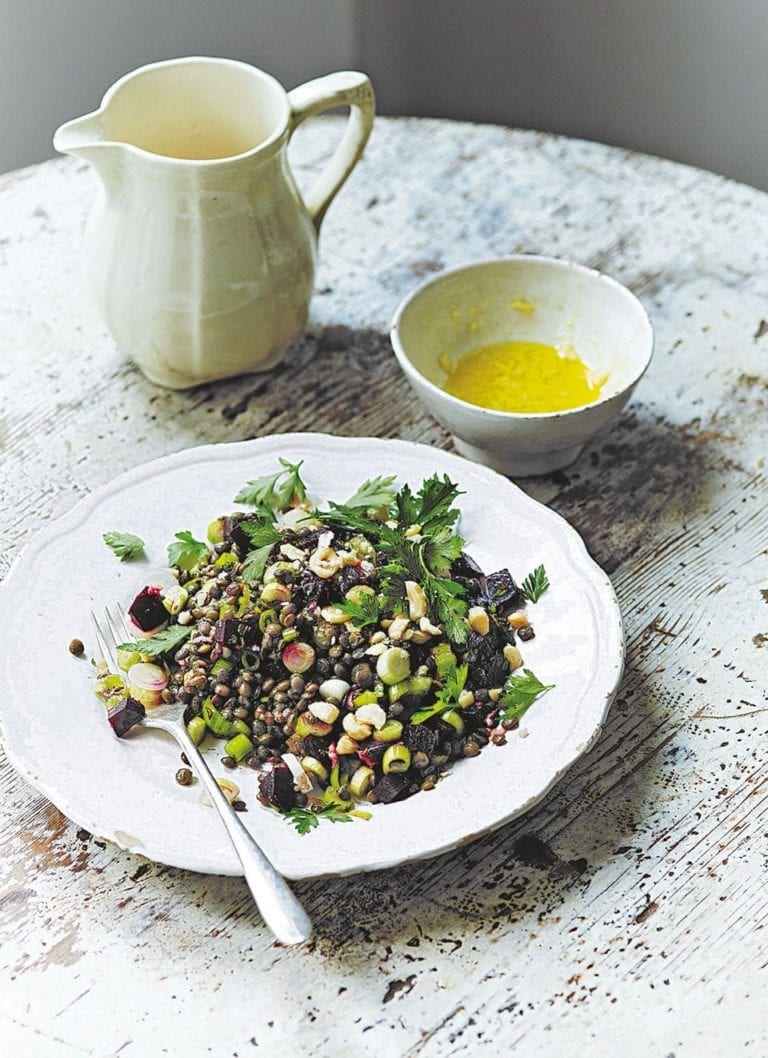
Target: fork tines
point(108, 636)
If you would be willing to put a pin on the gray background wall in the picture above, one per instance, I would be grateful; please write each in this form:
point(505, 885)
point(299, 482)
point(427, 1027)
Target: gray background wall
point(682, 78)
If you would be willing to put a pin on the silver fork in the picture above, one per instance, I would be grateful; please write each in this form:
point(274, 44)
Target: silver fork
point(279, 908)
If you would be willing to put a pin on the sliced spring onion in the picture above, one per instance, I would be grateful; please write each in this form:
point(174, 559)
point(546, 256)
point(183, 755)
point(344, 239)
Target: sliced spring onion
point(394, 665)
point(222, 667)
point(361, 781)
point(227, 558)
point(454, 718)
point(315, 767)
point(127, 658)
point(396, 758)
point(390, 732)
point(215, 531)
point(239, 746)
point(217, 723)
point(197, 729)
point(306, 724)
point(366, 698)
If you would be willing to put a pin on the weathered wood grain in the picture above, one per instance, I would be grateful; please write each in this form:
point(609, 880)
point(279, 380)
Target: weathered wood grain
point(627, 910)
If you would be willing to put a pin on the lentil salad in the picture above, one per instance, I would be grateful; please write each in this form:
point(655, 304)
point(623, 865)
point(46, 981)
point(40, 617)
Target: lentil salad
point(348, 655)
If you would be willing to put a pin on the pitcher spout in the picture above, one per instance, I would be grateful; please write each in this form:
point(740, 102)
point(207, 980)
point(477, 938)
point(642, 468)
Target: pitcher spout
point(84, 138)
point(80, 136)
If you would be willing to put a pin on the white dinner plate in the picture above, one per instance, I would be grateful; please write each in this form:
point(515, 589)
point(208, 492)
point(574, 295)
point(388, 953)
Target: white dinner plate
point(125, 791)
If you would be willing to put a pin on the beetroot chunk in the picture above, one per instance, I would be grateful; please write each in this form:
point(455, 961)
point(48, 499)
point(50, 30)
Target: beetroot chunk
point(391, 787)
point(125, 715)
point(225, 631)
point(419, 738)
point(465, 566)
point(371, 753)
point(502, 590)
point(276, 787)
point(147, 610)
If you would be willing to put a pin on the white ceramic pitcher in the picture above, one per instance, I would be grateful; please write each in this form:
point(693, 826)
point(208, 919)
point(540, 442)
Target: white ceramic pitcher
point(200, 250)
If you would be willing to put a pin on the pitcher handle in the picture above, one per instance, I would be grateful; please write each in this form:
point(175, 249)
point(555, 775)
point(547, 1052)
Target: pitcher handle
point(346, 88)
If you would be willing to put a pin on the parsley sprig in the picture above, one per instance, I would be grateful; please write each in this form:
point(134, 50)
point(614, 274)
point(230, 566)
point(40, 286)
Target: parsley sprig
point(160, 643)
point(275, 492)
point(519, 694)
point(424, 558)
point(362, 611)
point(186, 552)
point(442, 549)
point(124, 545)
point(448, 695)
point(373, 493)
point(262, 536)
point(432, 506)
point(305, 819)
point(535, 584)
point(407, 560)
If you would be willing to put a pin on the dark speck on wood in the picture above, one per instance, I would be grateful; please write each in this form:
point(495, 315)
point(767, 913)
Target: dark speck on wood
point(650, 908)
point(396, 987)
point(534, 852)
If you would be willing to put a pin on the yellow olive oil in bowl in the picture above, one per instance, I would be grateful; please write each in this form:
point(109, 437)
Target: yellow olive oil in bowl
point(522, 358)
point(520, 376)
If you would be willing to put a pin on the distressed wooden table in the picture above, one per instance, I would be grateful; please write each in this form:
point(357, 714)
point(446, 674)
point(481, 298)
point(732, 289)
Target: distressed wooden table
point(627, 910)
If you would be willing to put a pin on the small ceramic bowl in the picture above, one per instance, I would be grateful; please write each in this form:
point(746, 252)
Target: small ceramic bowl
point(525, 298)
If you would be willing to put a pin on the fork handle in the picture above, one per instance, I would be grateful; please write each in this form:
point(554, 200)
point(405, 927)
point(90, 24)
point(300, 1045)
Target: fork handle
point(274, 898)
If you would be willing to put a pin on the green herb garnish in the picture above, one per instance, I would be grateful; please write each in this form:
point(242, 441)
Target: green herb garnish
point(160, 642)
point(406, 561)
point(431, 507)
point(256, 563)
point(186, 552)
point(263, 536)
point(376, 492)
point(365, 610)
point(124, 545)
point(445, 600)
point(519, 694)
point(442, 550)
point(535, 584)
point(419, 559)
point(304, 819)
point(275, 492)
point(447, 697)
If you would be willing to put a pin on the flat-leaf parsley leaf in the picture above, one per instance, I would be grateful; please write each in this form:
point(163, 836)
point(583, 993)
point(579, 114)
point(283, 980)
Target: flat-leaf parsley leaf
point(535, 584)
point(160, 642)
point(186, 552)
point(431, 507)
point(275, 492)
point(447, 697)
point(263, 536)
point(376, 492)
point(124, 545)
point(519, 694)
point(305, 819)
point(362, 611)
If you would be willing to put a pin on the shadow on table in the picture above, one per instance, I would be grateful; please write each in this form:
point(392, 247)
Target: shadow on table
point(538, 866)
